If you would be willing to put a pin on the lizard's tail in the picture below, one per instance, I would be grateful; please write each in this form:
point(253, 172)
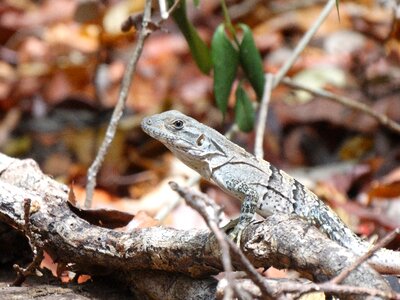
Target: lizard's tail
point(384, 260)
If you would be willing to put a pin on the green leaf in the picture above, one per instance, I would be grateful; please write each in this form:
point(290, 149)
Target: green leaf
point(251, 61)
point(196, 3)
point(244, 111)
point(225, 59)
point(198, 47)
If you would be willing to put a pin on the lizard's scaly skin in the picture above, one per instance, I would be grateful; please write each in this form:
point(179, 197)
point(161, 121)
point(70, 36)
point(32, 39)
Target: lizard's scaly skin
point(259, 185)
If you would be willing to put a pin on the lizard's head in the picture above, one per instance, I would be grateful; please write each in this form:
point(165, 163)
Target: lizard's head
point(187, 138)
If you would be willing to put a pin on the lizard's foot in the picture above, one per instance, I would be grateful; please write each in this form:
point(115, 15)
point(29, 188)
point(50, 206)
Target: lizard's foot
point(231, 225)
point(234, 230)
point(236, 234)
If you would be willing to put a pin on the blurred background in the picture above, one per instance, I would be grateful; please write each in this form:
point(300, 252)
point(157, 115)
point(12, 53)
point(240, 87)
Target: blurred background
point(61, 65)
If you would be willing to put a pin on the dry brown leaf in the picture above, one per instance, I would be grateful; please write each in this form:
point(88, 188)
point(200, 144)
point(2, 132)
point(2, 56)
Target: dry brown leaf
point(387, 187)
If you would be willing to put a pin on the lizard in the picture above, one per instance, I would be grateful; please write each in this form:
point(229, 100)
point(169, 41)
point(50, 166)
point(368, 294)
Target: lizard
point(262, 187)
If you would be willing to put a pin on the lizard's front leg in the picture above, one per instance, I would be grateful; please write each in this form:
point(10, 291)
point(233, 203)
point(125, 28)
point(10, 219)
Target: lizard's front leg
point(248, 208)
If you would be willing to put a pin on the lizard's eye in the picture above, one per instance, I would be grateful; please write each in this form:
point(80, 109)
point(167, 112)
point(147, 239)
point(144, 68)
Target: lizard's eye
point(178, 124)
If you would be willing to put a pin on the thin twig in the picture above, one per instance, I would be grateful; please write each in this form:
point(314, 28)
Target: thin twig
point(304, 41)
point(118, 110)
point(27, 213)
point(31, 269)
point(328, 287)
point(296, 53)
point(226, 260)
point(173, 7)
point(250, 271)
point(210, 212)
point(38, 253)
point(164, 212)
point(381, 244)
point(262, 116)
point(381, 118)
point(163, 9)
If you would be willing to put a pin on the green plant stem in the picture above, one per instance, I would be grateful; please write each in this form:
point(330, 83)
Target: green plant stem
point(228, 23)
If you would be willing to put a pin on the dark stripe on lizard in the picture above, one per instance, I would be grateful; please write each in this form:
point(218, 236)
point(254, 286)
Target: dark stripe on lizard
point(275, 179)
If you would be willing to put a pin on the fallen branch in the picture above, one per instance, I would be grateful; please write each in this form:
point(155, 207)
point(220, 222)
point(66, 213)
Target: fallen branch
point(282, 241)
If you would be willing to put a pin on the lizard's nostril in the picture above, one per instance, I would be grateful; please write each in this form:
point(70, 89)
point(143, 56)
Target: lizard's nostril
point(149, 122)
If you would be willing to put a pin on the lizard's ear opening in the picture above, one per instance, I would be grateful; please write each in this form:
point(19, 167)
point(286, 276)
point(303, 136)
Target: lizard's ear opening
point(200, 140)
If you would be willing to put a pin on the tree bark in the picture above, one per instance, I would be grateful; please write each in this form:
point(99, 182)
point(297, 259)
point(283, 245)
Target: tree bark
point(280, 241)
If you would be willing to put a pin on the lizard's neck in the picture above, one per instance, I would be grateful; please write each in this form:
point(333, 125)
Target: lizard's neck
point(204, 163)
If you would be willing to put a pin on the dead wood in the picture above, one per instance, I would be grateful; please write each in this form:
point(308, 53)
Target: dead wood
point(281, 241)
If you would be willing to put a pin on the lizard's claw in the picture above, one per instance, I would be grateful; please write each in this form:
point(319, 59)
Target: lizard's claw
point(236, 234)
point(230, 225)
point(234, 229)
